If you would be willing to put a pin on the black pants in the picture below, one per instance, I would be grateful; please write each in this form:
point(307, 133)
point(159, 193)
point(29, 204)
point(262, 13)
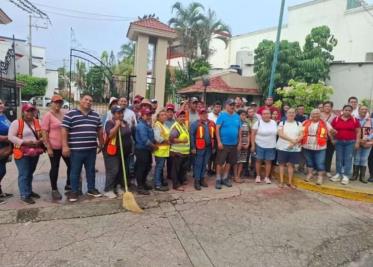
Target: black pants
point(55, 166)
point(330, 148)
point(180, 164)
point(370, 163)
point(169, 168)
point(114, 171)
point(142, 166)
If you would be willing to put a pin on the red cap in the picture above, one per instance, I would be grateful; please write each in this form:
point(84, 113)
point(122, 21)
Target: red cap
point(145, 111)
point(170, 106)
point(202, 110)
point(28, 107)
point(181, 111)
point(57, 98)
point(139, 97)
point(136, 100)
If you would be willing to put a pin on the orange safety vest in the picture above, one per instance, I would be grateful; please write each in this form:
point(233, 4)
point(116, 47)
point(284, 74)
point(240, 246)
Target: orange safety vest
point(111, 148)
point(200, 135)
point(321, 133)
point(17, 151)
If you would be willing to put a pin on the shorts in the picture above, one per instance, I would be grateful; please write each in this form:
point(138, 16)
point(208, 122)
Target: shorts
point(288, 157)
point(227, 155)
point(265, 153)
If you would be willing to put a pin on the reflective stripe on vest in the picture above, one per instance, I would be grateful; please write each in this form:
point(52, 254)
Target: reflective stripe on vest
point(321, 133)
point(163, 150)
point(182, 148)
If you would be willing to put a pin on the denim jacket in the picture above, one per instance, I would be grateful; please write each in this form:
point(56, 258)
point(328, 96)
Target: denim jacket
point(144, 135)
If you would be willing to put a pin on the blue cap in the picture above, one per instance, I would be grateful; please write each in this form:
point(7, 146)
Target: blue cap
point(230, 101)
point(116, 108)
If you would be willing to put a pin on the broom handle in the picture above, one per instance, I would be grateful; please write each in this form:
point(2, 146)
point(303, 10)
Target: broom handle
point(122, 159)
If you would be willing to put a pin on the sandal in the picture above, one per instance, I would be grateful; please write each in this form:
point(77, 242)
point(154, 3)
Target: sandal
point(180, 188)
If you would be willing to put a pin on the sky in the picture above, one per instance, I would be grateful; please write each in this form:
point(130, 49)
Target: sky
point(96, 35)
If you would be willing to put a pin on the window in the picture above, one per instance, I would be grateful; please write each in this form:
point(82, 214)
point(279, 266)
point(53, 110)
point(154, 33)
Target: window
point(353, 4)
point(369, 56)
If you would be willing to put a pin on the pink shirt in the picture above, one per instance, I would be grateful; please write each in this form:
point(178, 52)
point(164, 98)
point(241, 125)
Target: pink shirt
point(52, 125)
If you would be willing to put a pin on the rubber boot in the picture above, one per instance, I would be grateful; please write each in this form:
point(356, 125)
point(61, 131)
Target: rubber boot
point(363, 170)
point(355, 173)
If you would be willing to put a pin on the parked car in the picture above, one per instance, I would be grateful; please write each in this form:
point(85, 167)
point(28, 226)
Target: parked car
point(41, 101)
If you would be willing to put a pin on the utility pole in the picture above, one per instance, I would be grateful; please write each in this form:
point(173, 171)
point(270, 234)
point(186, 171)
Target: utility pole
point(30, 46)
point(277, 48)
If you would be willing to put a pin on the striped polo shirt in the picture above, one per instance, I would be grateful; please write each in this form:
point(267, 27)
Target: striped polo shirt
point(82, 129)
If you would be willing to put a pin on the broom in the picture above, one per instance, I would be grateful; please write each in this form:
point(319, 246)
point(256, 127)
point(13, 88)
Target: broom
point(129, 202)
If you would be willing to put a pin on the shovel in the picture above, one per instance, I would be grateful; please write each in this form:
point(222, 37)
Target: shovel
point(129, 202)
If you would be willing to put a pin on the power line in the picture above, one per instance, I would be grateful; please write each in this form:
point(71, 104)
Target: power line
point(21, 7)
point(84, 12)
point(86, 18)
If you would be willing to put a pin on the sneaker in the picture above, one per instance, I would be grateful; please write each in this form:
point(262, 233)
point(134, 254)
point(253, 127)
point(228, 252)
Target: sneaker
point(227, 182)
point(143, 192)
point(218, 184)
point(258, 180)
point(203, 183)
point(370, 180)
point(345, 180)
point(329, 175)
point(197, 185)
point(73, 197)
point(56, 195)
point(120, 191)
point(161, 188)
point(267, 180)
point(28, 200)
point(110, 194)
point(5, 195)
point(2, 201)
point(67, 188)
point(336, 178)
point(148, 187)
point(164, 183)
point(319, 180)
point(34, 195)
point(94, 193)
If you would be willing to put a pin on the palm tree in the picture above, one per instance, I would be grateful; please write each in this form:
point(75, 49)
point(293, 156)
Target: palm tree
point(127, 50)
point(211, 27)
point(186, 22)
point(80, 77)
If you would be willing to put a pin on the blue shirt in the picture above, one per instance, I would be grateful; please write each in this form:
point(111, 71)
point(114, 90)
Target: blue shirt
point(144, 135)
point(229, 128)
point(82, 129)
point(4, 128)
point(193, 130)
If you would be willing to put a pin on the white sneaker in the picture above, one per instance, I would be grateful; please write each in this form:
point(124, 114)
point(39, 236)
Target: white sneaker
point(329, 175)
point(336, 178)
point(267, 180)
point(120, 191)
point(110, 194)
point(258, 180)
point(345, 180)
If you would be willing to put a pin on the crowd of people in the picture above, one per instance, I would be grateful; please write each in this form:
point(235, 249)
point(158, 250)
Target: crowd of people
point(230, 140)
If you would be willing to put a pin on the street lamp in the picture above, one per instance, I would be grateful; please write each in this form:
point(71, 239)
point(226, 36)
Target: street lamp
point(205, 82)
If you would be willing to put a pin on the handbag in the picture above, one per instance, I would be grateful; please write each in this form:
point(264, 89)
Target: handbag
point(6, 151)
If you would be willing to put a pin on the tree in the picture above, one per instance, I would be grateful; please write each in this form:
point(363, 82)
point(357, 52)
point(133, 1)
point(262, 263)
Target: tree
point(126, 51)
point(316, 57)
point(286, 66)
point(211, 27)
point(33, 86)
point(80, 76)
point(301, 93)
point(95, 83)
point(186, 22)
point(105, 57)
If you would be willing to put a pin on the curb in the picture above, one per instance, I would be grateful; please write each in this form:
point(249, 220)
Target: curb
point(346, 193)
point(100, 207)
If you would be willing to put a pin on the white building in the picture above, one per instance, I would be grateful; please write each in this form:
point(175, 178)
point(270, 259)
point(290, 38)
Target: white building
point(349, 22)
point(38, 61)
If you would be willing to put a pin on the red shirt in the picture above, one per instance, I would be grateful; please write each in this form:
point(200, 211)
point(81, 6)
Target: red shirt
point(271, 108)
point(346, 130)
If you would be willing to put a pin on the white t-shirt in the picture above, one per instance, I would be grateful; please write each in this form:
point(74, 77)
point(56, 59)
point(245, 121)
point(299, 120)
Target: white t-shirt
point(213, 117)
point(266, 133)
point(291, 130)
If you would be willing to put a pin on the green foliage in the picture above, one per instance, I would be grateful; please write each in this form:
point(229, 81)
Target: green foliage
point(316, 57)
point(367, 102)
point(310, 65)
point(33, 86)
point(285, 70)
point(95, 83)
point(301, 93)
point(195, 68)
point(196, 29)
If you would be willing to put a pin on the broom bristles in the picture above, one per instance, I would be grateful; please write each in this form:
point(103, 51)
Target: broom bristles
point(129, 202)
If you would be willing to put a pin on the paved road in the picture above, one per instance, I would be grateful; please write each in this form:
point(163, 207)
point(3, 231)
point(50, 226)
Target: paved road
point(263, 227)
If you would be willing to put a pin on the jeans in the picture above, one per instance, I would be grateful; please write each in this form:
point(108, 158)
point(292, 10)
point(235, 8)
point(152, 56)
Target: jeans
point(180, 165)
point(344, 151)
point(361, 156)
point(315, 159)
point(330, 148)
point(143, 166)
point(26, 167)
point(158, 171)
point(2, 170)
point(114, 171)
point(78, 158)
point(370, 163)
point(55, 166)
point(201, 160)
